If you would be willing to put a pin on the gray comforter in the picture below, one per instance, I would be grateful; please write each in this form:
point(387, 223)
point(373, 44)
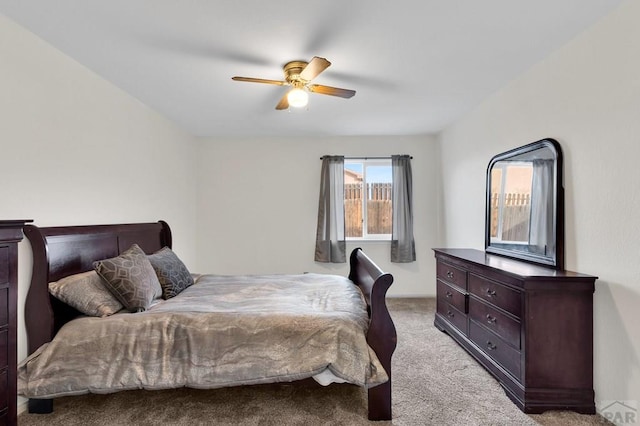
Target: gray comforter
point(222, 331)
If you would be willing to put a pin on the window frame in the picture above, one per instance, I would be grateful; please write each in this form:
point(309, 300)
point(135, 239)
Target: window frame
point(369, 162)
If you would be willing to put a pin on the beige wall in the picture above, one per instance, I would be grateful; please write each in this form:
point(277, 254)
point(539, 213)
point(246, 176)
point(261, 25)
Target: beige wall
point(76, 150)
point(264, 221)
point(587, 96)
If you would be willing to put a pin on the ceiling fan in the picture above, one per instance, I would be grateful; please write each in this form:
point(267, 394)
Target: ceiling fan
point(298, 75)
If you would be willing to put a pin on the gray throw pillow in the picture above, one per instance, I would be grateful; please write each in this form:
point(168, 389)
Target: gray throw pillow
point(86, 293)
point(130, 278)
point(172, 273)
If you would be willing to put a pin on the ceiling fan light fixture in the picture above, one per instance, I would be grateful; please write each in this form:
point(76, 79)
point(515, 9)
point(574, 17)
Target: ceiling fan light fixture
point(298, 97)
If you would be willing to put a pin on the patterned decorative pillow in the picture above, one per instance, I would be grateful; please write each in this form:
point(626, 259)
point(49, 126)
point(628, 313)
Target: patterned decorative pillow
point(86, 293)
point(172, 273)
point(130, 278)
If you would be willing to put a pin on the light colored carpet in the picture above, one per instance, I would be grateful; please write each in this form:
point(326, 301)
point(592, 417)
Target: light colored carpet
point(435, 382)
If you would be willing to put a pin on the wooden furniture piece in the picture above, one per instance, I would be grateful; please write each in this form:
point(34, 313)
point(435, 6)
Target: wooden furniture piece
point(62, 251)
point(10, 236)
point(530, 326)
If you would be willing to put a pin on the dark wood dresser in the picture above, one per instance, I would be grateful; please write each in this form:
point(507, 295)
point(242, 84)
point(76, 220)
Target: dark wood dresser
point(10, 236)
point(530, 326)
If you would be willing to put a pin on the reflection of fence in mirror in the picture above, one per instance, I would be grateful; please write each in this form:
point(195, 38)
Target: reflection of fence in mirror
point(511, 201)
point(515, 217)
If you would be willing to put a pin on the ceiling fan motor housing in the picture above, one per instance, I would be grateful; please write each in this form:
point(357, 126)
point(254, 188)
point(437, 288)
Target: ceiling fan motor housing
point(292, 71)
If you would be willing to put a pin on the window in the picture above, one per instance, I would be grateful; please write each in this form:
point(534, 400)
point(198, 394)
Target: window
point(367, 199)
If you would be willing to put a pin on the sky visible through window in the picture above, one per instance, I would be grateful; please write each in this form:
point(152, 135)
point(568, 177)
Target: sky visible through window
point(377, 174)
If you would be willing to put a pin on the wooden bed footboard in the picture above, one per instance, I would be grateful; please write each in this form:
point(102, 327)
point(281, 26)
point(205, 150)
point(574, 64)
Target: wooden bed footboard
point(382, 333)
point(62, 251)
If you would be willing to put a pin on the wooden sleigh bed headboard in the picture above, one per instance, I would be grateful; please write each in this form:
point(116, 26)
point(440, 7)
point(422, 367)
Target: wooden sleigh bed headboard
point(62, 251)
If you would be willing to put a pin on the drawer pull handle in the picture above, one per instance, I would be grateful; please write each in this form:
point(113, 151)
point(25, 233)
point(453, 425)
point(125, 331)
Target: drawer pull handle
point(449, 294)
point(491, 293)
point(449, 274)
point(450, 314)
point(491, 346)
point(490, 319)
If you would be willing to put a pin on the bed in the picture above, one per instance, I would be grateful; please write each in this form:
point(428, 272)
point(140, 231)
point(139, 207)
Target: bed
point(296, 310)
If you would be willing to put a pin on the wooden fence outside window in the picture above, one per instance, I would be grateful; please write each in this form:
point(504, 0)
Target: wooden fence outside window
point(378, 197)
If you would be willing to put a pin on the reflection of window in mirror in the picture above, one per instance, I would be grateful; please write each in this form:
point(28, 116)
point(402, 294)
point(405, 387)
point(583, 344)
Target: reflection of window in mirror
point(525, 215)
point(511, 201)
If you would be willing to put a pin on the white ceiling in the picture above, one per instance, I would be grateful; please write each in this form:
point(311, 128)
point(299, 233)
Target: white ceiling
point(417, 65)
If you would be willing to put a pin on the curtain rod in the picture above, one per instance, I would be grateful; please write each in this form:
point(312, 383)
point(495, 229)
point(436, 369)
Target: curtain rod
point(367, 158)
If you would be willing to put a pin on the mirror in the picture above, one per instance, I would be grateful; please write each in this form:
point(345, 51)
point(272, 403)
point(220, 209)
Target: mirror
point(525, 204)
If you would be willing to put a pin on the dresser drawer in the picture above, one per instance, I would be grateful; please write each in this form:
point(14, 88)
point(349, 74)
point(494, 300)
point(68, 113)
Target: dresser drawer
point(495, 348)
point(452, 275)
point(4, 307)
point(501, 324)
point(4, 380)
point(453, 296)
point(496, 294)
point(4, 348)
point(451, 314)
point(4, 265)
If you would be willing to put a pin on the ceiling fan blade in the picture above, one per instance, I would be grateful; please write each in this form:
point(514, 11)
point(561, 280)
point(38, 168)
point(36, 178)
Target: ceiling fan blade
point(333, 91)
point(260, 80)
point(284, 102)
point(314, 68)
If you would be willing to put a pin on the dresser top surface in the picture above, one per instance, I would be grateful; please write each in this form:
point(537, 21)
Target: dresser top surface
point(11, 230)
point(511, 266)
point(14, 223)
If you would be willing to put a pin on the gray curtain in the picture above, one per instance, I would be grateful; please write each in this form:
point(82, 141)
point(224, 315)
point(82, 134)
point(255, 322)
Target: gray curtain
point(403, 248)
point(541, 230)
point(330, 240)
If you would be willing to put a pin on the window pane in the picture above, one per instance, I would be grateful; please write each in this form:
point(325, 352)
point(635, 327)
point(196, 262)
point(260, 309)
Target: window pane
point(378, 200)
point(353, 209)
point(353, 200)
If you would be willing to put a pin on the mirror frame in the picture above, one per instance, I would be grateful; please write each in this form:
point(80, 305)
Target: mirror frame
point(555, 260)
